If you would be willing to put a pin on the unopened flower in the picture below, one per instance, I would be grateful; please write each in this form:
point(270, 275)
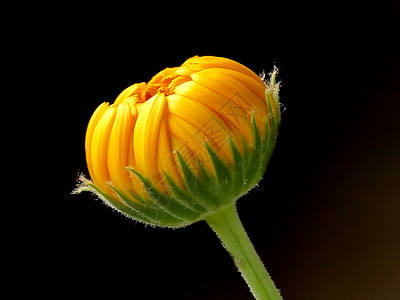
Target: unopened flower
point(194, 138)
point(184, 147)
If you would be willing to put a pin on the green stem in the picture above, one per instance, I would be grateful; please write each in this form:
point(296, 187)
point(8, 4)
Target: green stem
point(226, 224)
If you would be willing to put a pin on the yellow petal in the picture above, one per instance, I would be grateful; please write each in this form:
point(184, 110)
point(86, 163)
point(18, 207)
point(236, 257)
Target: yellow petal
point(178, 81)
point(243, 101)
point(136, 185)
point(189, 142)
point(98, 113)
point(210, 127)
point(99, 148)
point(146, 136)
point(205, 62)
point(118, 149)
point(256, 86)
point(201, 94)
point(165, 159)
point(236, 120)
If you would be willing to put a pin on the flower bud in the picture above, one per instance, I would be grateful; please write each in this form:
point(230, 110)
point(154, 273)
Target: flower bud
point(191, 140)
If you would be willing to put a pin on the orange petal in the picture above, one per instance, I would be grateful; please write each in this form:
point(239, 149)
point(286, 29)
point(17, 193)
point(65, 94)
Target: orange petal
point(137, 88)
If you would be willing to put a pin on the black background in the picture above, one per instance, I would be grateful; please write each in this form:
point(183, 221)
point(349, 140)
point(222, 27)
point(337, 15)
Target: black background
point(325, 219)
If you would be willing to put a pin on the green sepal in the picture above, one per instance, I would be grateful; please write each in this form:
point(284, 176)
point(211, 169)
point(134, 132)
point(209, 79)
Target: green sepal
point(207, 179)
point(125, 209)
point(184, 196)
point(155, 216)
point(271, 127)
point(167, 204)
point(223, 177)
point(238, 170)
point(197, 188)
point(253, 169)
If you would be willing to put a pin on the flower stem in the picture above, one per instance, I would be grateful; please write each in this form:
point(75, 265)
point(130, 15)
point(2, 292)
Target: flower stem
point(226, 224)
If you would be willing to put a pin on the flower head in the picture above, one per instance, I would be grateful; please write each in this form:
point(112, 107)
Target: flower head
point(192, 139)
